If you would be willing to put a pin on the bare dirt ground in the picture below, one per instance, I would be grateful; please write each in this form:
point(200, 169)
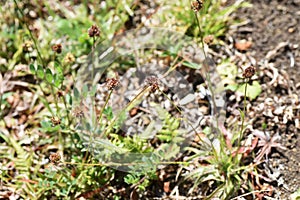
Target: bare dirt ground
point(272, 28)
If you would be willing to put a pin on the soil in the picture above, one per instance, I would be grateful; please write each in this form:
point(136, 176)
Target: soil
point(273, 29)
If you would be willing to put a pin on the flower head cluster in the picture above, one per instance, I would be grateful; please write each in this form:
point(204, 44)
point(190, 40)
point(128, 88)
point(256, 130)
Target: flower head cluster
point(57, 48)
point(27, 46)
point(55, 158)
point(208, 39)
point(249, 72)
point(69, 58)
point(55, 121)
point(197, 5)
point(111, 83)
point(94, 31)
point(78, 112)
point(153, 82)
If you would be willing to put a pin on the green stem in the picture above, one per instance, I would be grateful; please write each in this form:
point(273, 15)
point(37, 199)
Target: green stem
point(67, 110)
point(200, 34)
point(243, 116)
point(31, 36)
point(61, 143)
point(1, 114)
point(35, 45)
point(126, 107)
point(206, 70)
point(105, 104)
point(93, 66)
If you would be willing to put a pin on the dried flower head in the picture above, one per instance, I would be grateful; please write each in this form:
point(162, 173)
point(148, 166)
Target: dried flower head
point(27, 46)
point(60, 93)
point(208, 39)
point(94, 31)
point(197, 5)
point(55, 121)
point(111, 83)
point(153, 82)
point(78, 112)
point(69, 58)
point(55, 158)
point(57, 48)
point(249, 72)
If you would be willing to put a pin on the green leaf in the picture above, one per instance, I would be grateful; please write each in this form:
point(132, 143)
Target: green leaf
point(93, 90)
point(57, 80)
point(85, 90)
point(242, 113)
point(32, 68)
point(121, 118)
point(40, 72)
point(296, 195)
point(47, 127)
point(59, 70)
point(253, 90)
point(69, 99)
point(191, 65)
point(45, 124)
point(49, 76)
point(76, 93)
point(232, 87)
point(6, 95)
point(108, 113)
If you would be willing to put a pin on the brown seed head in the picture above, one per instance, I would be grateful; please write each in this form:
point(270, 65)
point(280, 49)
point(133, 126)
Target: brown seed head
point(55, 121)
point(78, 112)
point(27, 46)
point(60, 93)
point(153, 82)
point(197, 5)
point(208, 39)
point(249, 72)
point(94, 31)
point(69, 58)
point(57, 48)
point(55, 158)
point(111, 83)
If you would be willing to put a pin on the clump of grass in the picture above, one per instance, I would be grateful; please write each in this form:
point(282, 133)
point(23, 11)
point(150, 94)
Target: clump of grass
point(215, 17)
point(220, 161)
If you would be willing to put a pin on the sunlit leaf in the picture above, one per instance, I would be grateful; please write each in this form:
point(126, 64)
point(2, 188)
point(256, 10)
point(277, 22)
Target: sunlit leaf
point(40, 72)
point(49, 76)
point(32, 68)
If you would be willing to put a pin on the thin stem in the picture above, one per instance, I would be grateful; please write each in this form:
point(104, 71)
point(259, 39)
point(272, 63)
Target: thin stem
point(93, 98)
point(206, 70)
point(200, 33)
point(243, 116)
point(67, 110)
point(31, 36)
point(105, 104)
point(1, 108)
point(35, 45)
point(178, 111)
point(60, 142)
point(126, 107)
point(1, 111)
point(93, 66)
point(100, 117)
